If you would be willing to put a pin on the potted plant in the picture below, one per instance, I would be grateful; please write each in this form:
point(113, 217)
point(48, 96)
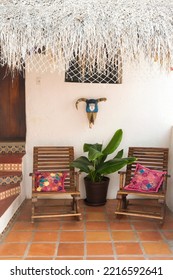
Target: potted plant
point(96, 165)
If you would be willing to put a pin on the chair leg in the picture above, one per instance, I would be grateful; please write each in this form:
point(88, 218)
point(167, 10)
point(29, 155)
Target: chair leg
point(75, 207)
point(119, 205)
point(163, 210)
point(124, 202)
point(79, 218)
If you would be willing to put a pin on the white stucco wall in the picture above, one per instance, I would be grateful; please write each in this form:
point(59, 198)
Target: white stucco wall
point(169, 197)
point(142, 106)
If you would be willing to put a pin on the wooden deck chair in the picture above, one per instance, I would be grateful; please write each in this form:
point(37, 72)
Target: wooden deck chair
point(54, 182)
point(134, 183)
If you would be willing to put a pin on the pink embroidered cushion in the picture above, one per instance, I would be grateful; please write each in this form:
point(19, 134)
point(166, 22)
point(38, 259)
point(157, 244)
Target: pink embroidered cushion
point(145, 180)
point(50, 181)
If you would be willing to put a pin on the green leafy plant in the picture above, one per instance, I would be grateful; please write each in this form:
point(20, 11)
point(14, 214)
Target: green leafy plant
point(96, 165)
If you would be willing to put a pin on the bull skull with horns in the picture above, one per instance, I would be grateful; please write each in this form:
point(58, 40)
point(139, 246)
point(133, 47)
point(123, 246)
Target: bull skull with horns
point(91, 108)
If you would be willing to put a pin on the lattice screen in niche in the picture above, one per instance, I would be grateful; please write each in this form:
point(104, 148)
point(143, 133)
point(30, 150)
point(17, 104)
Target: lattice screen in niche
point(79, 72)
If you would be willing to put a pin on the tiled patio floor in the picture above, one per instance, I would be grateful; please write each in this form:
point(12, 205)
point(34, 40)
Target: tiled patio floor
point(98, 236)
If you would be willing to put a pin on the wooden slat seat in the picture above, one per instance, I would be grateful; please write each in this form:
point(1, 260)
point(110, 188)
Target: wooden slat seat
point(153, 158)
point(55, 159)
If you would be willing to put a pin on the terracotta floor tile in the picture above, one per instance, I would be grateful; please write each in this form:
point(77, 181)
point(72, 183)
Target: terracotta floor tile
point(99, 249)
point(41, 249)
point(131, 258)
point(120, 226)
point(39, 258)
point(100, 258)
point(131, 248)
point(24, 226)
point(160, 258)
point(122, 218)
point(75, 225)
point(110, 208)
point(72, 236)
point(168, 234)
point(145, 225)
point(168, 226)
point(95, 209)
point(22, 236)
point(96, 225)
point(149, 236)
point(110, 202)
point(90, 238)
point(124, 236)
point(48, 225)
point(95, 216)
point(156, 248)
point(69, 258)
point(12, 249)
point(47, 236)
point(71, 249)
point(25, 214)
point(169, 216)
point(97, 236)
point(24, 217)
point(27, 204)
point(10, 258)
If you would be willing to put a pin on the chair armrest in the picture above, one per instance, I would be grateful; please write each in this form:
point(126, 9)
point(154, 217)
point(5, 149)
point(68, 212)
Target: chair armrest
point(76, 177)
point(33, 180)
point(121, 179)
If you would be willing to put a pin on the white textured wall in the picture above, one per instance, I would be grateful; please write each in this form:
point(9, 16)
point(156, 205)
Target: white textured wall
point(141, 106)
point(169, 197)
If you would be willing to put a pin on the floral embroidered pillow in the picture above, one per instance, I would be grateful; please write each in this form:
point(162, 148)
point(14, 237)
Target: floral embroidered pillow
point(50, 181)
point(145, 180)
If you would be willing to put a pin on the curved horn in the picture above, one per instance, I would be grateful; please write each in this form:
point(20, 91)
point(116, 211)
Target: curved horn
point(101, 99)
point(79, 100)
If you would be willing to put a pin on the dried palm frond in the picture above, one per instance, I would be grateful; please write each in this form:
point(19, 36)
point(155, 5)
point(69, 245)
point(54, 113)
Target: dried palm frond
point(95, 31)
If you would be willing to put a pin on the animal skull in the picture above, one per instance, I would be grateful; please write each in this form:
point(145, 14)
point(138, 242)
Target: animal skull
point(91, 108)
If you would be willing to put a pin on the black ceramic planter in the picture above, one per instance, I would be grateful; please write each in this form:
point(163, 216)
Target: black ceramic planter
point(96, 192)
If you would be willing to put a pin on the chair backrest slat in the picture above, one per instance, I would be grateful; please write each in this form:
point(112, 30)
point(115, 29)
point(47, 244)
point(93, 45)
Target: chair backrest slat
point(55, 159)
point(151, 157)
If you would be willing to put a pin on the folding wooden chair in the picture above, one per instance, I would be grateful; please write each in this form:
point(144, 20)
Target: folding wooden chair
point(55, 184)
point(155, 201)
